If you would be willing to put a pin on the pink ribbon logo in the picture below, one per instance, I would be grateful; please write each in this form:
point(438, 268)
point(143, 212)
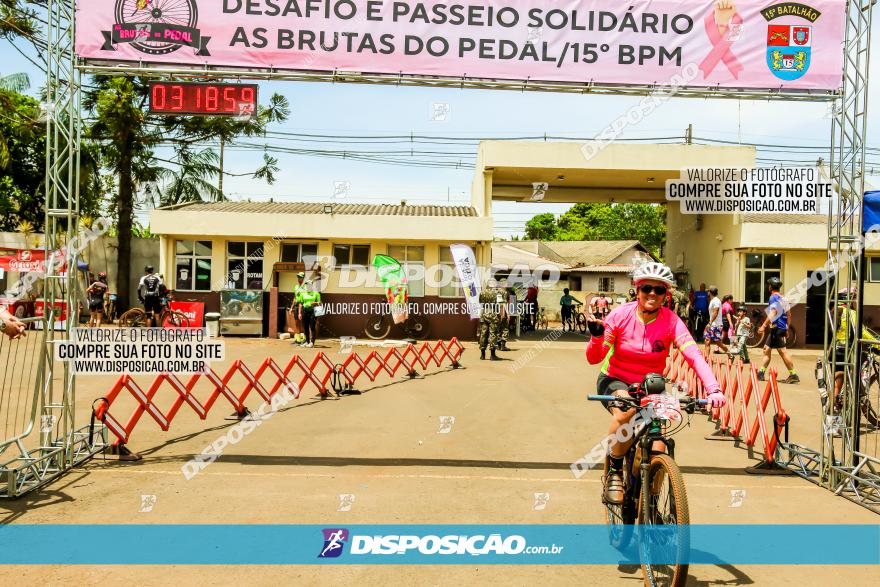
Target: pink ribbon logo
point(720, 47)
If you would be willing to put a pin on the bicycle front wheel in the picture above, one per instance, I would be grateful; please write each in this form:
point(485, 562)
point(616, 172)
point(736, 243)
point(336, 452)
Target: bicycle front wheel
point(665, 542)
point(870, 402)
point(133, 318)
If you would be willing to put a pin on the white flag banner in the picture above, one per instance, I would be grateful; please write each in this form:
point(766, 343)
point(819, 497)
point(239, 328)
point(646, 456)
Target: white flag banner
point(466, 266)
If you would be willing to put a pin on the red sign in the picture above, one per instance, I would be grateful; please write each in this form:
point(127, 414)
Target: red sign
point(200, 98)
point(195, 312)
point(60, 308)
point(27, 261)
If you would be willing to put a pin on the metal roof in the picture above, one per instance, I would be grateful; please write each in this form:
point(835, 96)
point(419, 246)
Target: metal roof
point(318, 208)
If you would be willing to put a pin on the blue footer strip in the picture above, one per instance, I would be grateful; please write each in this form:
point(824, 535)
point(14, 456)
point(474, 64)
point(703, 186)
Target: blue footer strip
point(149, 544)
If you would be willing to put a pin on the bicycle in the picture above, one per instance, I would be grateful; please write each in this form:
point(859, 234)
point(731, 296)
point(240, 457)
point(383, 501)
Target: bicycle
point(168, 318)
point(543, 323)
point(654, 491)
point(378, 326)
point(756, 340)
point(869, 402)
point(577, 320)
point(110, 307)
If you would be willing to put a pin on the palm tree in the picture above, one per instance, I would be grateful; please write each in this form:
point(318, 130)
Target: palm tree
point(191, 181)
point(14, 82)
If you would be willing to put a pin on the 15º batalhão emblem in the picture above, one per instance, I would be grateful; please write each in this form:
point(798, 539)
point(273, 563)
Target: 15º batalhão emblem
point(789, 38)
point(156, 27)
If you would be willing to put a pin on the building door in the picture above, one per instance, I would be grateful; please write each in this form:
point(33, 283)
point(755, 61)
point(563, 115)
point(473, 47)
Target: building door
point(816, 306)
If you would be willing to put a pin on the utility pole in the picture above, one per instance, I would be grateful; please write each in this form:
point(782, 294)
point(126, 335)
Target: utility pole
point(689, 136)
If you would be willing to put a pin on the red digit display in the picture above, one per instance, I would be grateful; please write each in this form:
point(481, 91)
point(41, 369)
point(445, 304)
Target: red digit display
point(199, 98)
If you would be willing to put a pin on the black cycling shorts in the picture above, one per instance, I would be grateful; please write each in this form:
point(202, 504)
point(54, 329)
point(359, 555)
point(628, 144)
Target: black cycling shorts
point(606, 385)
point(152, 304)
point(777, 338)
point(839, 355)
point(566, 312)
point(96, 306)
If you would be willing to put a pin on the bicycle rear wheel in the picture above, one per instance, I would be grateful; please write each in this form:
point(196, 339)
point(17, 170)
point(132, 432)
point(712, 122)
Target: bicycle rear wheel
point(665, 543)
point(581, 322)
point(417, 327)
point(134, 318)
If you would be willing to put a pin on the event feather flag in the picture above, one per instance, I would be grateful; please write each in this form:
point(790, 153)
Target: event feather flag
point(393, 277)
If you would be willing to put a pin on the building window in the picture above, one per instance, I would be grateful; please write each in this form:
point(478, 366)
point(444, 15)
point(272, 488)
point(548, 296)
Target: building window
point(244, 265)
point(192, 266)
point(759, 268)
point(449, 288)
point(873, 269)
point(413, 260)
point(295, 252)
point(352, 255)
point(606, 284)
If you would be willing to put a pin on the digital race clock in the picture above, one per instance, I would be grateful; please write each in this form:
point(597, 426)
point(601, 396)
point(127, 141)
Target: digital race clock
point(203, 98)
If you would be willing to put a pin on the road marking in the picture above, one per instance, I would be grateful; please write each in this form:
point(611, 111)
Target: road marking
point(419, 476)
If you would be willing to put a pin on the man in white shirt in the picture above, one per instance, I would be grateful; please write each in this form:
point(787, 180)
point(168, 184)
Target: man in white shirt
point(715, 328)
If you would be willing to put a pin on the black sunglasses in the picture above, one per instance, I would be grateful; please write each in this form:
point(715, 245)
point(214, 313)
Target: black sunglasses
point(660, 290)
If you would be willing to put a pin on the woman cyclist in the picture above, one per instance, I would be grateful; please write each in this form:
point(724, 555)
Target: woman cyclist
point(631, 342)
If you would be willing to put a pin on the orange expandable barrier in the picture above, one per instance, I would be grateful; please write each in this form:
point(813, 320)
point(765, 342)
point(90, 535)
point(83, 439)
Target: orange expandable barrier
point(320, 371)
point(743, 416)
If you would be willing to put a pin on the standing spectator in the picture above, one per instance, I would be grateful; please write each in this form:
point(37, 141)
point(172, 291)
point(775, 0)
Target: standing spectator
point(778, 317)
point(308, 298)
point(565, 303)
point(491, 310)
point(743, 325)
point(10, 325)
point(532, 305)
point(680, 304)
point(701, 308)
point(727, 315)
point(95, 293)
point(715, 327)
point(149, 288)
point(299, 336)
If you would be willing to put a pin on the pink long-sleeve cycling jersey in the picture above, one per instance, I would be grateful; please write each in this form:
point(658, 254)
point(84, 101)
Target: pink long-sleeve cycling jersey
point(631, 349)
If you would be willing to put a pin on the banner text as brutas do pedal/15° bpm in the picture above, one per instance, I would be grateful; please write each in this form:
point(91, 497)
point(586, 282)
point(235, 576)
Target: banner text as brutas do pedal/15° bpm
point(783, 46)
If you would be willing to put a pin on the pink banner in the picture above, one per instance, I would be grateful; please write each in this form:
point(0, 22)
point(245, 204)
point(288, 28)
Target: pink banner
point(721, 43)
point(195, 312)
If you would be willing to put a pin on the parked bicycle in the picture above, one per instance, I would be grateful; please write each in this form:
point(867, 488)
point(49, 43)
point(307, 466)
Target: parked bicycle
point(543, 323)
point(580, 321)
point(168, 318)
point(379, 326)
point(654, 491)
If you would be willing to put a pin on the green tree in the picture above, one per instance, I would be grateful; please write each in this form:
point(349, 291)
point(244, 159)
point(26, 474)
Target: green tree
point(600, 221)
point(126, 140)
point(190, 180)
point(225, 129)
point(542, 227)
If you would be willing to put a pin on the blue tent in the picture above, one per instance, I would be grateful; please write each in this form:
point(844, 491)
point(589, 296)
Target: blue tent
point(871, 216)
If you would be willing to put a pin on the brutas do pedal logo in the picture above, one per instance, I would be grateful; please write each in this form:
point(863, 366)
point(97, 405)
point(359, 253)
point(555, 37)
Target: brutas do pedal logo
point(789, 38)
point(156, 27)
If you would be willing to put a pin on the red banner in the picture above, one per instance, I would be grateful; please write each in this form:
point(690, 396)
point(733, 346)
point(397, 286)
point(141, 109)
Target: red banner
point(195, 312)
point(27, 261)
point(60, 307)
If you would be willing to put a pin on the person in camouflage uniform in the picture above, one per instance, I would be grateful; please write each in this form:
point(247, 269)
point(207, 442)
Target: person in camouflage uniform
point(491, 313)
point(504, 321)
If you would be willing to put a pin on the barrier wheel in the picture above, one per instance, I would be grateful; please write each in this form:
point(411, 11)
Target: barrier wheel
point(134, 318)
point(377, 327)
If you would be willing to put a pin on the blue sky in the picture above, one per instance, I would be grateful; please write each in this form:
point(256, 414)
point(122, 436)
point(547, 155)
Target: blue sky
point(339, 109)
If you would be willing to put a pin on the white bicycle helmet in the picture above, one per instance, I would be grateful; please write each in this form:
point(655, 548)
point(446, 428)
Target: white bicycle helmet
point(655, 272)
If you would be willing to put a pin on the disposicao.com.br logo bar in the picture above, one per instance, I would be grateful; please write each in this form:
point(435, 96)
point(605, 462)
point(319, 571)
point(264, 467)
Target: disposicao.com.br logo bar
point(430, 544)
